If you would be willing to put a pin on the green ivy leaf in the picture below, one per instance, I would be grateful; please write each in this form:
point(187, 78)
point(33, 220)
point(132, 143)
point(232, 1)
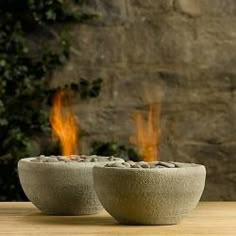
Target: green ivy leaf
point(3, 122)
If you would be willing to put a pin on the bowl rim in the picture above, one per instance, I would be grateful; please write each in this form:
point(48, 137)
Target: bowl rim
point(29, 161)
point(156, 170)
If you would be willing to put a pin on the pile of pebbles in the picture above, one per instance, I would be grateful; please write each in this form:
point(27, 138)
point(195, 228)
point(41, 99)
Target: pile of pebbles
point(112, 161)
point(148, 165)
point(74, 158)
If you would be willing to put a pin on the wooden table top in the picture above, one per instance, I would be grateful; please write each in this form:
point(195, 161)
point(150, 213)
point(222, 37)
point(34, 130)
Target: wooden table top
point(209, 218)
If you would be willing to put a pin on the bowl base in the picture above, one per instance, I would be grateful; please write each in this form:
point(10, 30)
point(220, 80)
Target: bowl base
point(78, 212)
point(157, 221)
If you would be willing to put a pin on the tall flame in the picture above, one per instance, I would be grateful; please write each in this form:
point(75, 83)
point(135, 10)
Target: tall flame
point(147, 136)
point(63, 122)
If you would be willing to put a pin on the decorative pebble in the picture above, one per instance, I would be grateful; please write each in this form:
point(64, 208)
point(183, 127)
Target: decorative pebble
point(131, 162)
point(111, 158)
point(181, 164)
point(114, 164)
point(53, 156)
point(120, 165)
point(94, 156)
point(52, 159)
point(78, 159)
point(87, 160)
point(108, 165)
point(160, 166)
point(152, 165)
point(42, 158)
point(93, 159)
point(166, 164)
point(144, 164)
point(136, 166)
point(126, 164)
point(73, 157)
point(60, 158)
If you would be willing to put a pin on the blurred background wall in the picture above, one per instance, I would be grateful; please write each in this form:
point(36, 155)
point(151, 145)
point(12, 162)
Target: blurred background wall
point(177, 52)
point(183, 50)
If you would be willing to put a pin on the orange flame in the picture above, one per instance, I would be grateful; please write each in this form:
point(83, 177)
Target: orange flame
point(63, 122)
point(147, 136)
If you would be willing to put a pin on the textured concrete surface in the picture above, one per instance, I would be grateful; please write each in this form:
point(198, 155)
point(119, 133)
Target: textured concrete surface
point(59, 188)
point(149, 196)
point(180, 50)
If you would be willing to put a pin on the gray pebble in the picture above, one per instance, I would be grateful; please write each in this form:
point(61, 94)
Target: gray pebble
point(60, 158)
point(67, 159)
point(120, 165)
point(117, 164)
point(152, 165)
point(154, 162)
point(94, 159)
point(53, 156)
point(126, 164)
point(93, 156)
point(83, 157)
point(101, 159)
point(111, 158)
point(114, 164)
point(160, 166)
point(166, 164)
point(180, 164)
point(52, 159)
point(130, 162)
point(143, 164)
point(42, 158)
point(108, 165)
point(78, 159)
point(88, 159)
point(136, 166)
point(73, 157)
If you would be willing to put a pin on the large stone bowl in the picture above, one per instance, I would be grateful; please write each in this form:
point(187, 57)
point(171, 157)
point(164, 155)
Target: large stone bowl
point(149, 196)
point(60, 188)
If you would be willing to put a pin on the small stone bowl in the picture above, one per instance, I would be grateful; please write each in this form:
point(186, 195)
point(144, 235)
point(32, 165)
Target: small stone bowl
point(60, 187)
point(162, 196)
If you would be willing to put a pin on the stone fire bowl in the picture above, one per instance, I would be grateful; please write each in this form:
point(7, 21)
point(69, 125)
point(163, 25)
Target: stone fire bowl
point(149, 196)
point(60, 188)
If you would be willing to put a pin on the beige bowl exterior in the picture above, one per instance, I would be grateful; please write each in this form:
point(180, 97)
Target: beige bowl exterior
point(149, 196)
point(59, 188)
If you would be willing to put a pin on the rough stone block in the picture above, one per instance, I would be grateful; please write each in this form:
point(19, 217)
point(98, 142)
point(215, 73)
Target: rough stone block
point(152, 4)
point(100, 46)
point(217, 8)
point(110, 12)
point(189, 7)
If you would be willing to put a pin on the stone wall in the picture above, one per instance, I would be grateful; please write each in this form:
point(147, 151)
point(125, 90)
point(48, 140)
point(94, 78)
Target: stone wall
point(180, 50)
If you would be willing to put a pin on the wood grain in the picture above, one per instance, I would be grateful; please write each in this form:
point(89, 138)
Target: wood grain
point(209, 218)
